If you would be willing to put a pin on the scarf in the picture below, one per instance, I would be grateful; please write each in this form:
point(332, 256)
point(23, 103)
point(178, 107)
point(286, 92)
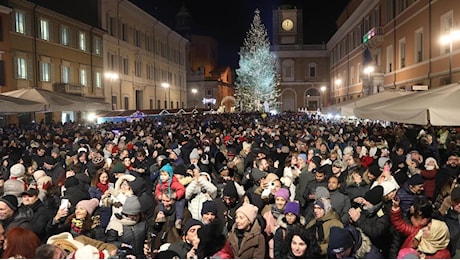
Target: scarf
point(102, 187)
point(276, 212)
point(117, 224)
point(77, 225)
point(438, 239)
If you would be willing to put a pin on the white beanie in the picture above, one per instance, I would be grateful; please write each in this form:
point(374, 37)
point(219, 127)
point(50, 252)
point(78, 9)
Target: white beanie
point(38, 174)
point(17, 171)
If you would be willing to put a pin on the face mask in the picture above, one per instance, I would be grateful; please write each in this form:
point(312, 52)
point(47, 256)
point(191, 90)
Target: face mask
point(429, 167)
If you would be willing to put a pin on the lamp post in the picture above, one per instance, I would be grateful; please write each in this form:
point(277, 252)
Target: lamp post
point(323, 90)
point(111, 76)
point(194, 91)
point(165, 85)
point(368, 70)
point(448, 39)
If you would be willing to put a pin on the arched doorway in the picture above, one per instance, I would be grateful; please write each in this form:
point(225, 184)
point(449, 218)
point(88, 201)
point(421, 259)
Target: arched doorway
point(312, 99)
point(228, 103)
point(288, 97)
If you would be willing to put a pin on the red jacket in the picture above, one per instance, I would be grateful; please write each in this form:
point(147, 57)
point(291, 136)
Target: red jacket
point(174, 185)
point(403, 227)
point(429, 183)
point(226, 252)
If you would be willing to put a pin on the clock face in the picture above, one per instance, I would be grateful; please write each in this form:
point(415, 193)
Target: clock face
point(287, 24)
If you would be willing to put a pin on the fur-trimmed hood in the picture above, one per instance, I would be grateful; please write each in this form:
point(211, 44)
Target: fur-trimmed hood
point(281, 221)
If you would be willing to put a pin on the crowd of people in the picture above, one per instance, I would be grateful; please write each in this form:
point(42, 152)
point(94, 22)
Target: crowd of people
point(239, 185)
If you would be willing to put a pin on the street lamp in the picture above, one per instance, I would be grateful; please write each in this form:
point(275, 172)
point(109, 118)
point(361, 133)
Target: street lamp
point(111, 76)
point(165, 85)
point(368, 70)
point(323, 90)
point(448, 39)
point(194, 91)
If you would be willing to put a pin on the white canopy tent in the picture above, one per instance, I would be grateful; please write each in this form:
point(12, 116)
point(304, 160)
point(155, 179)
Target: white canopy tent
point(347, 108)
point(438, 106)
point(10, 105)
point(56, 101)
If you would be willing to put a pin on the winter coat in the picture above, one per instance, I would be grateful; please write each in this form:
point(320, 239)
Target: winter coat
point(429, 184)
point(322, 226)
point(252, 245)
point(304, 178)
point(195, 196)
point(225, 253)
point(354, 190)
point(341, 204)
point(166, 232)
point(226, 214)
point(20, 218)
point(173, 186)
point(452, 219)
point(40, 218)
point(375, 225)
point(133, 234)
point(403, 227)
point(406, 197)
point(282, 233)
point(362, 246)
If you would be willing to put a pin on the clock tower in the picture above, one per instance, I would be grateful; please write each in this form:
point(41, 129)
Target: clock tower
point(287, 26)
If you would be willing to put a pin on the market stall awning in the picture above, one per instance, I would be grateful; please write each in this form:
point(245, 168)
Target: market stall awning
point(18, 105)
point(56, 101)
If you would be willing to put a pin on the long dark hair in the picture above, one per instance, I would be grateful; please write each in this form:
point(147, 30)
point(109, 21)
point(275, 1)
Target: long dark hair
point(313, 249)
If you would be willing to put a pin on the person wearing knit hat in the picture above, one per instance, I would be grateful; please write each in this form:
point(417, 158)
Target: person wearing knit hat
point(208, 211)
point(88, 205)
point(322, 192)
point(194, 155)
point(118, 168)
point(325, 217)
point(374, 195)
point(416, 180)
point(14, 187)
point(302, 156)
point(230, 190)
point(132, 206)
point(9, 217)
point(189, 239)
point(292, 207)
point(11, 201)
point(89, 252)
point(17, 171)
point(254, 244)
point(250, 212)
point(38, 174)
point(283, 193)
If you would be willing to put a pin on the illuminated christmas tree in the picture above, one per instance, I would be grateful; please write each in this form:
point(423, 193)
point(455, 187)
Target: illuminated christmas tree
point(257, 80)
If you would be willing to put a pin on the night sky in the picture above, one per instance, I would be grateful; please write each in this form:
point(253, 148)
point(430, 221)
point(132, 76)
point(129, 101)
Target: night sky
point(228, 22)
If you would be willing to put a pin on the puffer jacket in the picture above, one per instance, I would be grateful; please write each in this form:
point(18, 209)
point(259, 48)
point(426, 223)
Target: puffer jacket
point(195, 196)
point(252, 245)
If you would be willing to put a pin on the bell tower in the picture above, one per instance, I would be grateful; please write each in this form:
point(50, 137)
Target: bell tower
point(287, 26)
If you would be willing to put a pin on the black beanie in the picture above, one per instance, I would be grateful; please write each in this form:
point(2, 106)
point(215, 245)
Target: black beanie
point(212, 239)
point(71, 181)
point(190, 223)
point(374, 169)
point(11, 201)
point(230, 190)
point(374, 195)
point(209, 206)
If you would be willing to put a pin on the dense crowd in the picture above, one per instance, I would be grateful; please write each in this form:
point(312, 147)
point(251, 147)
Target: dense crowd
point(235, 185)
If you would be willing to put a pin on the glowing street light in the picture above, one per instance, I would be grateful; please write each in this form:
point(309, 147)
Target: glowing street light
point(112, 76)
point(165, 85)
point(448, 39)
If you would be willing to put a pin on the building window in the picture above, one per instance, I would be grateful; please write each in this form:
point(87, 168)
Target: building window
point(389, 60)
point(112, 26)
point(65, 35)
point(21, 68)
point(126, 99)
point(83, 77)
point(65, 74)
point(45, 71)
point(402, 53)
point(150, 104)
point(419, 46)
point(98, 79)
point(125, 66)
point(82, 41)
point(20, 22)
point(44, 29)
point(137, 38)
point(312, 70)
point(97, 46)
point(149, 71)
point(138, 69)
point(112, 61)
point(124, 32)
